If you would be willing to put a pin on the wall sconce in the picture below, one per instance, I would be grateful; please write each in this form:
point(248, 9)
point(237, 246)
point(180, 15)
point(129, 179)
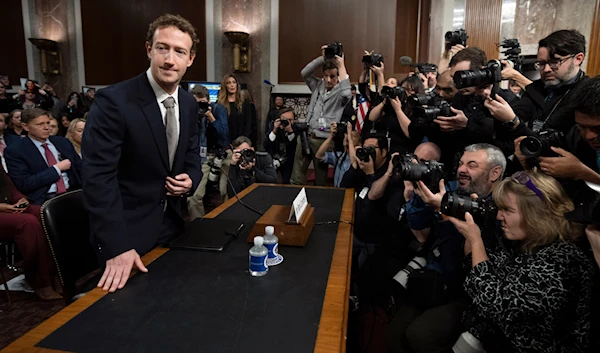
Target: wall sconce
point(241, 50)
point(49, 55)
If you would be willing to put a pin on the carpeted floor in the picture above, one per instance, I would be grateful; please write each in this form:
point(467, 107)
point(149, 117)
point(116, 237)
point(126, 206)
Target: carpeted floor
point(25, 312)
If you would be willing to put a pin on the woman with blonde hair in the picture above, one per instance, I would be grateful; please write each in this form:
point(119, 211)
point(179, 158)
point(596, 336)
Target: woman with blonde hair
point(75, 133)
point(531, 290)
point(239, 116)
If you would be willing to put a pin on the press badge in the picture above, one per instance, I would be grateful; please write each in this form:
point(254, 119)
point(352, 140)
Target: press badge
point(203, 152)
point(322, 124)
point(363, 192)
point(537, 125)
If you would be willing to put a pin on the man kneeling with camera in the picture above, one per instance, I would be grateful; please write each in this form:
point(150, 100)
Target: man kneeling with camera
point(248, 166)
point(430, 317)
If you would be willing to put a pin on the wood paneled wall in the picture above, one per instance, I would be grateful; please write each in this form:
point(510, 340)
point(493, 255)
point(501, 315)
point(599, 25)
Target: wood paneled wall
point(304, 26)
point(114, 33)
point(482, 23)
point(593, 50)
point(13, 60)
point(412, 26)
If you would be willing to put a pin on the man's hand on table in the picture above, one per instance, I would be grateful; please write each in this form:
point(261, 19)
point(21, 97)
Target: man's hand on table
point(118, 269)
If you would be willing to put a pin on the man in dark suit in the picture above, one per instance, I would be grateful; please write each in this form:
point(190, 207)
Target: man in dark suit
point(141, 154)
point(280, 143)
point(42, 166)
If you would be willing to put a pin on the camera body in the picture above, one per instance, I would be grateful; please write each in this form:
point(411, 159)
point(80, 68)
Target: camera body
point(334, 49)
point(426, 115)
point(421, 99)
point(429, 172)
point(456, 37)
point(364, 153)
point(392, 93)
point(279, 161)
point(215, 166)
point(455, 205)
point(202, 110)
point(533, 147)
point(302, 129)
point(491, 74)
point(284, 123)
point(373, 59)
point(426, 67)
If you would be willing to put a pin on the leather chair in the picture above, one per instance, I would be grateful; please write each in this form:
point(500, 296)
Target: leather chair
point(66, 225)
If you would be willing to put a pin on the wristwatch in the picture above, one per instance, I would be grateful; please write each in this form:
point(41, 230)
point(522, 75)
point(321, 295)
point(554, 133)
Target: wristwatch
point(512, 123)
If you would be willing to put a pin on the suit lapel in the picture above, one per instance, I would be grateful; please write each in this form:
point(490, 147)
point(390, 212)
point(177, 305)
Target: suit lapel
point(34, 153)
point(153, 116)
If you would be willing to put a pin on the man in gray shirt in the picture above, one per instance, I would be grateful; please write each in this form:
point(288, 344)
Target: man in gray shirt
point(330, 95)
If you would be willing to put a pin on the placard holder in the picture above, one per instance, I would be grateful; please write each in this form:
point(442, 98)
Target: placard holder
point(289, 233)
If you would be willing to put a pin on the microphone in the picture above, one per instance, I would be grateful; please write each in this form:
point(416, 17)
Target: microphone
point(405, 60)
point(268, 83)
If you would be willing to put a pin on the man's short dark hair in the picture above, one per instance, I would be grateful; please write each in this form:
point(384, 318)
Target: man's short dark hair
point(586, 95)
point(328, 65)
point(28, 115)
point(353, 88)
point(382, 141)
point(200, 91)
point(278, 96)
point(282, 111)
point(168, 20)
point(240, 140)
point(564, 42)
point(475, 55)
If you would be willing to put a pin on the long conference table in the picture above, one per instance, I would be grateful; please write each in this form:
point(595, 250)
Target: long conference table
point(192, 301)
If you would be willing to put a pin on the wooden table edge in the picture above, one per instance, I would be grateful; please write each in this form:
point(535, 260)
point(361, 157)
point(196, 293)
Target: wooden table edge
point(27, 342)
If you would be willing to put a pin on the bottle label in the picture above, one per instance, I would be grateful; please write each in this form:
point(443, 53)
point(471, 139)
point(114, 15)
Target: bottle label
point(273, 250)
point(258, 263)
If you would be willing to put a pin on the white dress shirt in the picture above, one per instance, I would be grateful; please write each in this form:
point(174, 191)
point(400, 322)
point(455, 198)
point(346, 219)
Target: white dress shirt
point(54, 151)
point(161, 95)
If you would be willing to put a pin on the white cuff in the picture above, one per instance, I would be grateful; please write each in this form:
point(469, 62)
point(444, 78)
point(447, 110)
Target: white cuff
point(272, 136)
point(58, 171)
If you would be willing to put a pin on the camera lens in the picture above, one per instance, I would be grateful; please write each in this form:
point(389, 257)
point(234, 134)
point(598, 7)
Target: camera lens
point(531, 147)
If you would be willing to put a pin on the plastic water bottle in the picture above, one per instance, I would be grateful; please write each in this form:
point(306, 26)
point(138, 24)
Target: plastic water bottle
point(258, 258)
point(271, 242)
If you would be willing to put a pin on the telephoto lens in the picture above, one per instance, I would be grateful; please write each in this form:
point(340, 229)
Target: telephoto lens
point(429, 172)
point(491, 74)
point(392, 93)
point(456, 37)
point(215, 166)
point(456, 206)
point(533, 147)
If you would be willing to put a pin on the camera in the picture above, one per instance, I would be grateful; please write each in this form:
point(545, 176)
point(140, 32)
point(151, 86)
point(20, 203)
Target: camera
point(215, 165)
point(491, 74)
point(429, 172)
point(417, 263)
point(364, 153)
point(456, 37)
point(539, 146)
point(456, 206)
point(392, 93)
point(426, 67)
point(426, 115)
point(202, 108)
point(421, 99)
point(334, 49)
point(302, 129)
point(278, 160)
point(373, 59)
point(284, 123)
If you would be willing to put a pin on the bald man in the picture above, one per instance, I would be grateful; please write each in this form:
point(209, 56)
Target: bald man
point(445, 86)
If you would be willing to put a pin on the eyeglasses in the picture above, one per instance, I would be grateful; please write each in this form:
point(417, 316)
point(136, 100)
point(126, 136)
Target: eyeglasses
point(524, 179)
point(554, 64)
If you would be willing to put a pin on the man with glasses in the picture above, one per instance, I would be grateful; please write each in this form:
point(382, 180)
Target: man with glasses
point(545, 101)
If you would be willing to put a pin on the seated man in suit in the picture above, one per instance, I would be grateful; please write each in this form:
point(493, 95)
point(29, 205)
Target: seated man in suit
point(42, 166)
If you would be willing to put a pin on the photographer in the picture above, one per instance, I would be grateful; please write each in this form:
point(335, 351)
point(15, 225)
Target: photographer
point(280, 143)
point(213, 136)
point(330, 95)
point(545, 102)
point(532, 292)
point(374, 98)
point(579, 159)
point(273, 112)
point(339, 158)
point(248, 167)
point(436, 291)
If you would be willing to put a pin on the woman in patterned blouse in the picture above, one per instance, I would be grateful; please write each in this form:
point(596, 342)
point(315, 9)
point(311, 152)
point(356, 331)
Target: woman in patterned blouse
point(531, 292)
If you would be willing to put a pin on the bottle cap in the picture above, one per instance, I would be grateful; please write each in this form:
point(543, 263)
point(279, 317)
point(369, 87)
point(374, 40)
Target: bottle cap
point(269, 230)
point(259, 241)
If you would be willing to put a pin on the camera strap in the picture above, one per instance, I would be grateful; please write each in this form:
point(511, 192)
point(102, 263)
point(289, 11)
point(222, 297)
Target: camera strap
point(539, 124)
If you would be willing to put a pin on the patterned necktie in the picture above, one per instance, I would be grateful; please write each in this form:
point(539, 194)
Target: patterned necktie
point(60, 183)
point(171, 129)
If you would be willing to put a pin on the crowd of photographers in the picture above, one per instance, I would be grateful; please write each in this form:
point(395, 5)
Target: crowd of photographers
point(472, 201)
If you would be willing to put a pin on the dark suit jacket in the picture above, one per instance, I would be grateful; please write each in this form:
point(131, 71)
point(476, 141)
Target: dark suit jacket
point(30, 173)
point(10, 139)
point(126, 164)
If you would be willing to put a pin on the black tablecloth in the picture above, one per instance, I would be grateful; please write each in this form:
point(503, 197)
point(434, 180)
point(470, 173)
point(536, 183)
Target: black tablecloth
point(192, 301)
